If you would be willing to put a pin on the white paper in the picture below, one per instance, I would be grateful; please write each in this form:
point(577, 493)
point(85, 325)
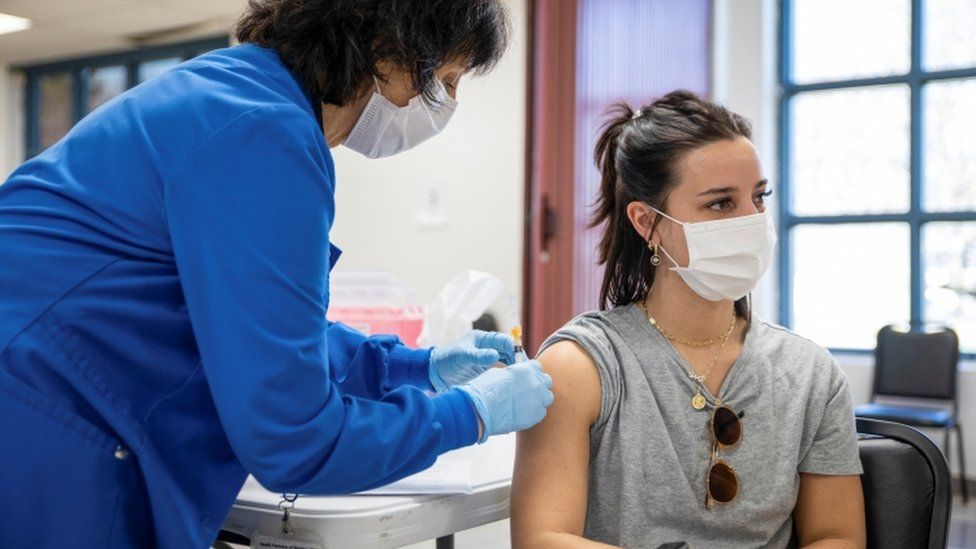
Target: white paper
point(446, 476)
point(298, 541)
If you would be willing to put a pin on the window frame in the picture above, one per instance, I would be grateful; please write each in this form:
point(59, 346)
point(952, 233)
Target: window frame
point(916, 217)
point(80, 69)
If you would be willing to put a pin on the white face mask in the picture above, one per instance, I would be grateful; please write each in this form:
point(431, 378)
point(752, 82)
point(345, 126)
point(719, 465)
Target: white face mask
point(726, 258)
point(385, 129)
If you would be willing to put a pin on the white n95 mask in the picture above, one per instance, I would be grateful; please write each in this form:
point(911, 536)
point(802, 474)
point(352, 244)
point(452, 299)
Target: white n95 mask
point(727, 257)
point(385, 129)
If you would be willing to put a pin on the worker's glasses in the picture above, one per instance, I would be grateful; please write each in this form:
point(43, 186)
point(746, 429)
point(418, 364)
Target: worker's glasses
point(723, 483)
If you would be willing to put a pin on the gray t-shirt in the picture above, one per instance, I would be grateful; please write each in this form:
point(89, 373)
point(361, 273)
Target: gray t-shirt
point(649, 449)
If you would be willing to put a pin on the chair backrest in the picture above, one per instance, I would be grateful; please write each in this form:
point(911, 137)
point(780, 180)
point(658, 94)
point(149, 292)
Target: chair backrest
point(916, 364)
point(907, 495)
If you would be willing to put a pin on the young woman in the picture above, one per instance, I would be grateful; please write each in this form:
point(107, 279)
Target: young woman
point(679, 416)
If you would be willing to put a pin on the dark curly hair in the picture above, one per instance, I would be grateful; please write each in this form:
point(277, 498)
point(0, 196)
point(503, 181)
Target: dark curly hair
point(638, 155)
point(334, 45)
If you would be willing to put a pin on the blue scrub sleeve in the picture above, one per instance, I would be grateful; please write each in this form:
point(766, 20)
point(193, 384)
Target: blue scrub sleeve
point(249, 213)
point(372, 366)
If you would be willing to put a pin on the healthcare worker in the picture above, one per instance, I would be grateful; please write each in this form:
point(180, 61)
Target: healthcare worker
point(164, 284)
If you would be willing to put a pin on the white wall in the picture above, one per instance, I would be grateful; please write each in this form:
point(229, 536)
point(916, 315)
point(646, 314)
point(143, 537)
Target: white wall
point(745, 79)
point(476, 166)
point(11, 121)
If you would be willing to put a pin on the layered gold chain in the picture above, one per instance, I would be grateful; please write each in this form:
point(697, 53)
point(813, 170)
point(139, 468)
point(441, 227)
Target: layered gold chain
point(694, 344)
point(698, 401)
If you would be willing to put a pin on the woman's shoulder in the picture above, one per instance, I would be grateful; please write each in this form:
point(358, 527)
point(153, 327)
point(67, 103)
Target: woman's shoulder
point(242, 84)
point(791, 352)
point(588, 350)
point(597, 326)
point(581, 339)
point(784, 340)
point(580, 358)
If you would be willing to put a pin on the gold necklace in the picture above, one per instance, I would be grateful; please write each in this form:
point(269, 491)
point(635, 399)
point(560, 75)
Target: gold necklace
point(698, 401)
point(689, 342)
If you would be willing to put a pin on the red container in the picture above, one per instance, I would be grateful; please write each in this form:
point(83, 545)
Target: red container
point(404, 322)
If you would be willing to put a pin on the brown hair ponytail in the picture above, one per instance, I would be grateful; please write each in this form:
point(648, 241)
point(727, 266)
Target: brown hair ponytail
point(619, 244)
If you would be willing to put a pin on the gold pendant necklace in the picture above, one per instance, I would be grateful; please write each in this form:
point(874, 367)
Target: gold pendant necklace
point(698, 401)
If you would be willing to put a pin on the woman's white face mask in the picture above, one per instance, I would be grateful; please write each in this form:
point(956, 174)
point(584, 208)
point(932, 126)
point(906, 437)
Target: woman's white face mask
point(727, 257)
point(385, 129)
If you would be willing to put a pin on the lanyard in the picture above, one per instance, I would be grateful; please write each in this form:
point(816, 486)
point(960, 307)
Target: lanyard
point(286, 504)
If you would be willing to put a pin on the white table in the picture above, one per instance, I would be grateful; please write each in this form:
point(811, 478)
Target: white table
point(389, 521)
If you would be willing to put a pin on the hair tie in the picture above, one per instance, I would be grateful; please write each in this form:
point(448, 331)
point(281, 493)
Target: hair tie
point(637, 114)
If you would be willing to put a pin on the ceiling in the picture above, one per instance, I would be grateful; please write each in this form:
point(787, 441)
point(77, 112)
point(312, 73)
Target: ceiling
point(63, 29)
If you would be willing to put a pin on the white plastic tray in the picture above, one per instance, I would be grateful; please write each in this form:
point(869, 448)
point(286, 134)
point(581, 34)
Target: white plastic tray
point(388, 521)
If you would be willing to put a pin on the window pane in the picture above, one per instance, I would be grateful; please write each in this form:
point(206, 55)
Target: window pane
point(849, 281)
point(149, 69)
point(841, 39)
point(850, 151)
point(950, 278)
point(104, 83)
point(949, 35)
point(56, 113)
point(950, 146)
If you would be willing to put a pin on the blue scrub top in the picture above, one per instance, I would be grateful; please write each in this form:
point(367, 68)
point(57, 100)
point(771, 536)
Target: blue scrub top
point(163, 288)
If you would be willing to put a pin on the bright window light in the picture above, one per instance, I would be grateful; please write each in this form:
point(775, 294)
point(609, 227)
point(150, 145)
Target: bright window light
point(12, 23)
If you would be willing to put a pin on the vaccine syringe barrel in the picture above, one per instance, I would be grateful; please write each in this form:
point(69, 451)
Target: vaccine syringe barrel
point(520, 355)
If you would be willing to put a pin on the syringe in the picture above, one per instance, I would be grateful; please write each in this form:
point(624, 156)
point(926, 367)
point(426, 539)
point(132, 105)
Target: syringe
point(520, 355)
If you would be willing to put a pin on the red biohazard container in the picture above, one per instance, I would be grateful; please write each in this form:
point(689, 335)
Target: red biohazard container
point(375, 302)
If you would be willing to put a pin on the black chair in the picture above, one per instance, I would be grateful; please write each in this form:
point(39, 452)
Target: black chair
point(919, 365)
point(906, 481)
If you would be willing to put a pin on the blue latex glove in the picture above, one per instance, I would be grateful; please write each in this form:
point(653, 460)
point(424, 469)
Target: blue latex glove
point(510, 399)
point(476, 352)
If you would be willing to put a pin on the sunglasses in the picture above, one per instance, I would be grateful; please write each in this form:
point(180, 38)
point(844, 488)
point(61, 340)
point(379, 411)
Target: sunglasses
point(726, 430)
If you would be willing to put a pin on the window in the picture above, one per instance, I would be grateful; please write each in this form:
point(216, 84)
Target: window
point(60, 94)
point(877, 168)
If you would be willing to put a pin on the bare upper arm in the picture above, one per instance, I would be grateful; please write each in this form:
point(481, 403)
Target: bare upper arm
point(830, 508)
point(549, 487)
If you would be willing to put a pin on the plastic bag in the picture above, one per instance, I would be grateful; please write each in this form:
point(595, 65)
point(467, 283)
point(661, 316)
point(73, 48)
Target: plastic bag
point(457, 306)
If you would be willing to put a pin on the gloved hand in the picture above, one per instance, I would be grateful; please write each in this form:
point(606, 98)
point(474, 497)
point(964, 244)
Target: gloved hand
point(510, 399)
point(476, 352)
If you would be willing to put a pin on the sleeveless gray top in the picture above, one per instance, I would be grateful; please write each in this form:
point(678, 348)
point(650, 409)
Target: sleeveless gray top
point(650, 450)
